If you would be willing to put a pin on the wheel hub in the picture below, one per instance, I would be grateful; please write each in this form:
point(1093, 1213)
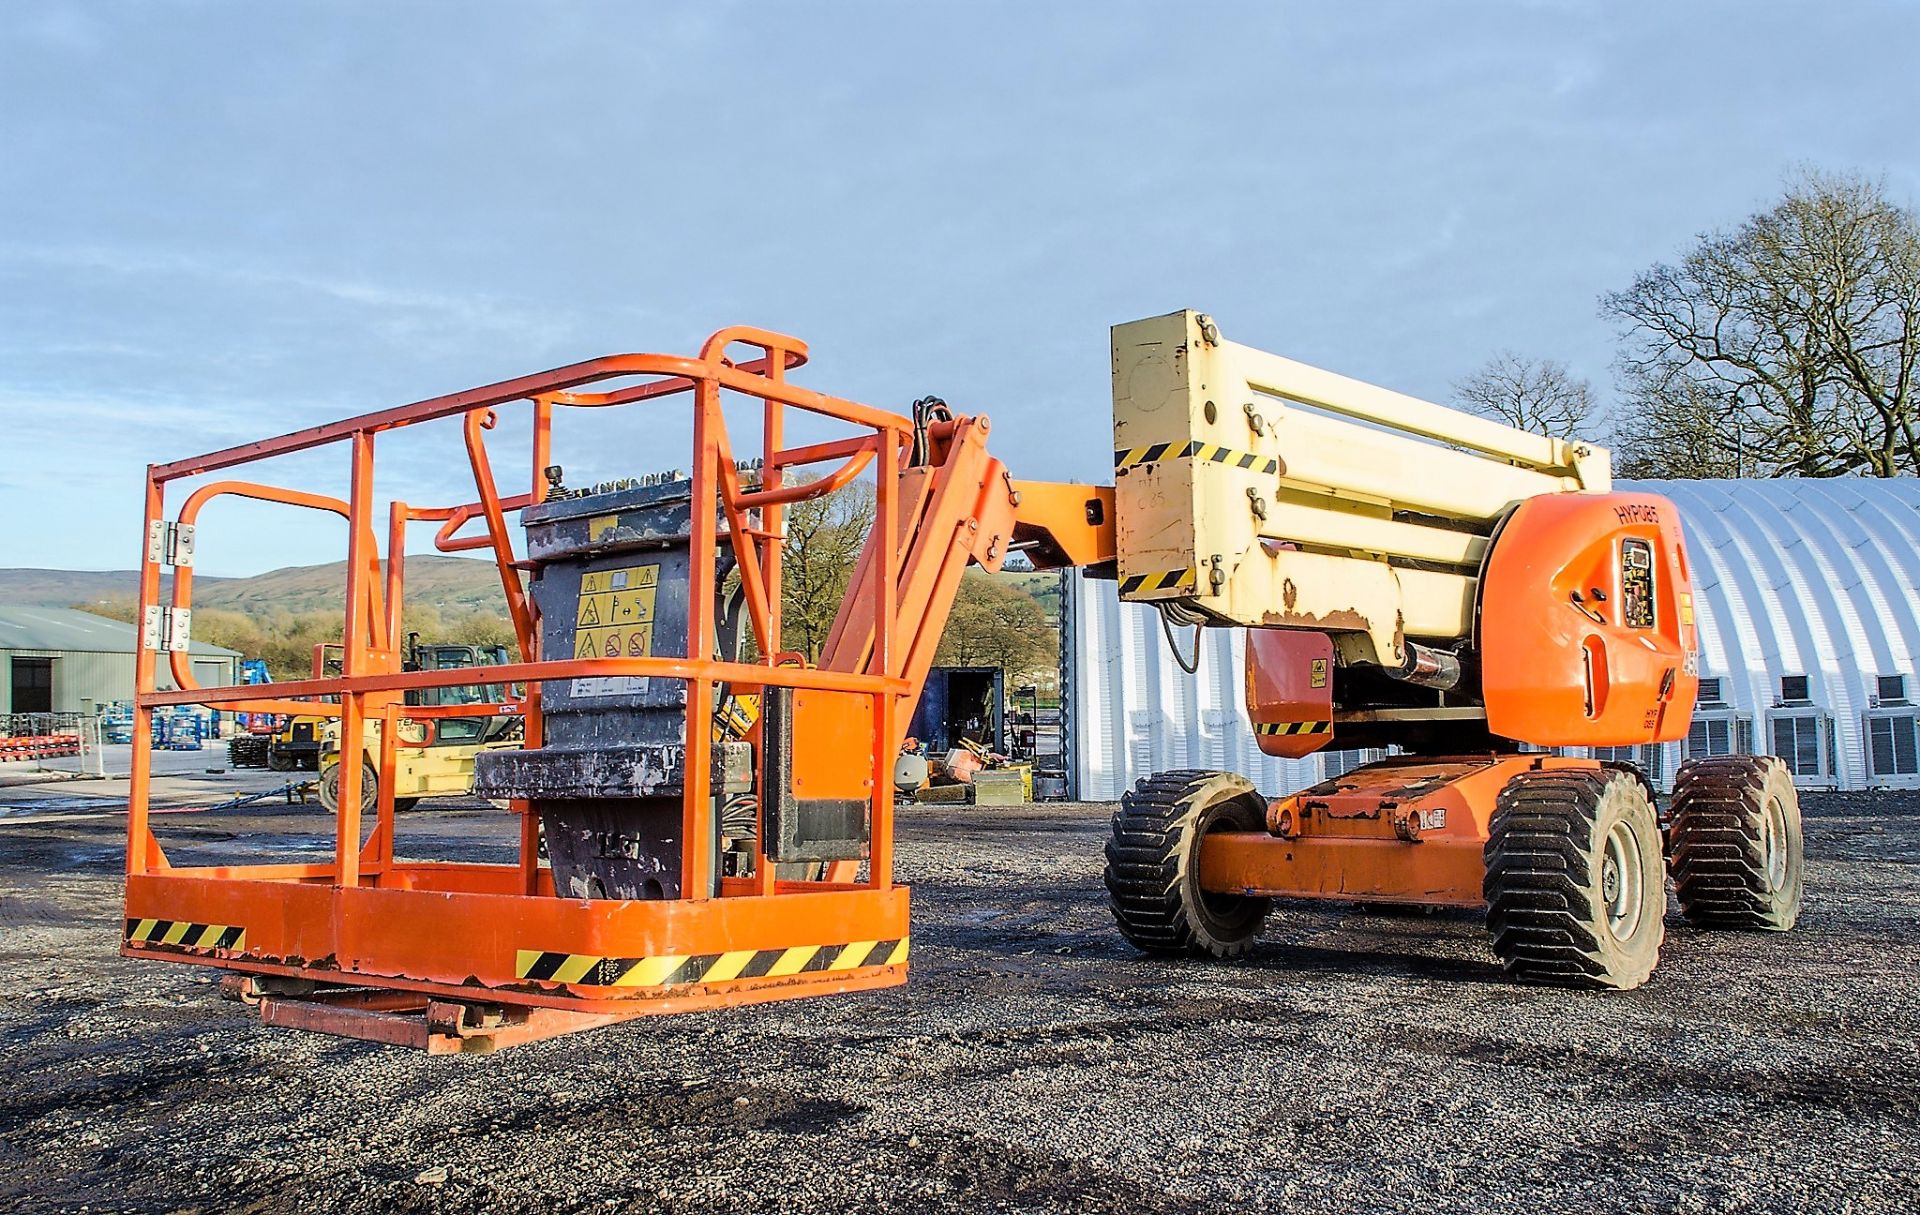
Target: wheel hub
point(1622, 880)
point(1773, 843)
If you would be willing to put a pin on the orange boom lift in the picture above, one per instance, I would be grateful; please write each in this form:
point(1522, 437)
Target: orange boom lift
point(717, 812)
point(1463, 592)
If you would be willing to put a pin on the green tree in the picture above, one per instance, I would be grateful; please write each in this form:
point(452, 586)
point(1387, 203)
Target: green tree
point(995, 624)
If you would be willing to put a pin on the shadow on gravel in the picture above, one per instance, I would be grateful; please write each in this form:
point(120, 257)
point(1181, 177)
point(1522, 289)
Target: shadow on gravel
point(1864, 804)
point(739, 1106)
point(1372, 962)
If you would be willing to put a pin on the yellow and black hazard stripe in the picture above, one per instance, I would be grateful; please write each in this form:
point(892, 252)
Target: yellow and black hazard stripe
point(1153, 453)
point(182, 935)
point(672, 970)
point(1130, 457)
point(1293, 727)
point(1170, 580)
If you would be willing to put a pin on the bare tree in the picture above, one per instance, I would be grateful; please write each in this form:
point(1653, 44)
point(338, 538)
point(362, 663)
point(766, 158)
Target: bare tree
point(823, 543)
point(1540, 396)
point(1785, 347)
point(1679, 429)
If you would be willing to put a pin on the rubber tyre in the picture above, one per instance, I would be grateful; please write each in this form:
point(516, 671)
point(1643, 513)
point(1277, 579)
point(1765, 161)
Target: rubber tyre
point(1737, 853)
point(280, 761)
point(405, 803)
point(1153, 878)
point(330, 788)
point(1575, 888)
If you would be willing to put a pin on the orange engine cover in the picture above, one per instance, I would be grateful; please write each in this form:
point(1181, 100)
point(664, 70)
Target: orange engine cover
point(1586, 623)
point(1290, 690)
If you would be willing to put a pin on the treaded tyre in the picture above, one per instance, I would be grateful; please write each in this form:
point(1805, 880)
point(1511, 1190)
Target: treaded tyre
point(1153, 873)
point(1576, 892)
point(1737, 852)
point(369, 788)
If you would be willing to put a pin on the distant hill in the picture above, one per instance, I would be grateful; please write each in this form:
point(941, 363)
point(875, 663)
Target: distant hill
point(65, 588)
point(452, 584)
point(1043, 586)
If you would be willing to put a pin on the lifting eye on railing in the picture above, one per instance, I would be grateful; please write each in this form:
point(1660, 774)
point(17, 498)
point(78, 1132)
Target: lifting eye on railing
point(793, 351)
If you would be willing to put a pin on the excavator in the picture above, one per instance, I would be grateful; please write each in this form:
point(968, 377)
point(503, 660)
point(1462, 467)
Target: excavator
point(706, 817)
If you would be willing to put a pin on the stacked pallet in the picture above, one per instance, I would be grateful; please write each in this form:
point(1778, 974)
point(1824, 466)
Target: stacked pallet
point(39, 746)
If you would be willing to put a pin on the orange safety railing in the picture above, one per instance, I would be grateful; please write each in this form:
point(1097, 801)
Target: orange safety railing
point(370, 686)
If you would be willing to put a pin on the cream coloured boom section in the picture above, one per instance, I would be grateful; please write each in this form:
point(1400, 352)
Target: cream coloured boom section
point(1264, 492)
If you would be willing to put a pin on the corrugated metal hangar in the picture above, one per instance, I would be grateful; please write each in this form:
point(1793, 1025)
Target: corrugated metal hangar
point(1808, 594)
point(54, 660)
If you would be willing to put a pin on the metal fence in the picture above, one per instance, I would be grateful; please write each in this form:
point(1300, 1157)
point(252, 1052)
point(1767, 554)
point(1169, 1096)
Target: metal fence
point(29, 740)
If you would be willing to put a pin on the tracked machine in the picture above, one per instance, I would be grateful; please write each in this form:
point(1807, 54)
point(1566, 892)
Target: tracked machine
point(706, 818)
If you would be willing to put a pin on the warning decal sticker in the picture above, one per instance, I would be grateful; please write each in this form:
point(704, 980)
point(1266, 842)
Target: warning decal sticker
point(615, 617)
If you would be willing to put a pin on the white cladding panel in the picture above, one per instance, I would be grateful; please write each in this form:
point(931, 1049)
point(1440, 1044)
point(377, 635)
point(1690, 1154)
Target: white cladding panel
point(1814, 578)
point(1132, 711)
point(1791, 577)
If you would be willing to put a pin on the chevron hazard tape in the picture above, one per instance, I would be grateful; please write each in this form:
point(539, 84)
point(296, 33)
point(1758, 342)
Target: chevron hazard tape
point(1171, 580)
point(671, 970)
point(182, 935)
point(1293, 727)
point(1133, 457)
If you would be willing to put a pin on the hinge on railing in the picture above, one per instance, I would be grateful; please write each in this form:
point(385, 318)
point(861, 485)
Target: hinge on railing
point(170, 543)
point(165, 628)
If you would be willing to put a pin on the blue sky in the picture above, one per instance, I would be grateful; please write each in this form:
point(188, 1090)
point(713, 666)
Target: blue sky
point(220, 222)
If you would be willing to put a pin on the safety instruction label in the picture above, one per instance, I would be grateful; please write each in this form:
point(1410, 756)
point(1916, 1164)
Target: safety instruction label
point(615, 616)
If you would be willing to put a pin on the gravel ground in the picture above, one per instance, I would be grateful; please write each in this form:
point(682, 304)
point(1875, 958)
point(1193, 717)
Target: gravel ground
point(1358, 1061)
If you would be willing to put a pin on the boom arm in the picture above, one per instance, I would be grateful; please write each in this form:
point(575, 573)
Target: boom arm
point(961, 507)
point(1258, 491)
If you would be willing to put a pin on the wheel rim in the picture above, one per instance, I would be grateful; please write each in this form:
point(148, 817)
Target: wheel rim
point(330, 785)
point(1622, 880)
point(1773, 842)
point(1220, 906)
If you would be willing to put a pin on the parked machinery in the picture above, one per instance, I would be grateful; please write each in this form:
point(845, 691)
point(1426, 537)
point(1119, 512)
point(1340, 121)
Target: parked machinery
point(250, 746)
point(718, 810)
point(434, 756)
point(1416, 578)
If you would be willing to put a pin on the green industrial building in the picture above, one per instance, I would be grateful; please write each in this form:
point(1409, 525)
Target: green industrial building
point(56, 660)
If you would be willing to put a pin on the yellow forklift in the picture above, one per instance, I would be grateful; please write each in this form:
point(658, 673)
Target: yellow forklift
point(434, 756)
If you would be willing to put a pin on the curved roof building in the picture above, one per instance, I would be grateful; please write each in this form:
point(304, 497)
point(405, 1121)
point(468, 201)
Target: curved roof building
point(1807, 595)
